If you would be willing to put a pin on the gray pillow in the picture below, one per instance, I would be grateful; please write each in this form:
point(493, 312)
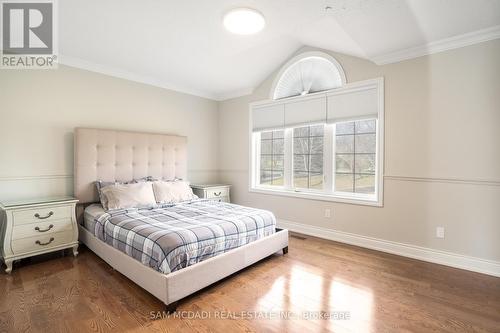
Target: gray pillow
point(101, 184)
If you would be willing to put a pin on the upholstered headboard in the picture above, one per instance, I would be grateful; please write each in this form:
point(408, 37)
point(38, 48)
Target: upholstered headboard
point(110, 155)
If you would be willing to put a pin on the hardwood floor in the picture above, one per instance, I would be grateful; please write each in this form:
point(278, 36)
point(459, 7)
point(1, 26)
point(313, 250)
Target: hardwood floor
point(379, 292)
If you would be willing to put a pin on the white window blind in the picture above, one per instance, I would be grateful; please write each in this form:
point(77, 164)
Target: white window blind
point(268, 117)
point(353, 105)
point(305, 112)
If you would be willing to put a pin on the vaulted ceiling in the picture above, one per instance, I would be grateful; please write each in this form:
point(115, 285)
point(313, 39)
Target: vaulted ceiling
point(182, 44)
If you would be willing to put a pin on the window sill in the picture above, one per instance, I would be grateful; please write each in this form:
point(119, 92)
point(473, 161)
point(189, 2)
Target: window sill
point(354, 200)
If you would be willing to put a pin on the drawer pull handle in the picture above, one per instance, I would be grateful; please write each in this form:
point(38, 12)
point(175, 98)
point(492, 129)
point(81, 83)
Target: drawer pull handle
point(42, 244)
point(217, 194)
point(44, 217)
point(48, 228)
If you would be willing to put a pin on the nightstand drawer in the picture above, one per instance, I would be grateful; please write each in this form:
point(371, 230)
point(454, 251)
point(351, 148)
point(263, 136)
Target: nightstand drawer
point(41, 228)
point(41, 214)
point(217, 192)
point(41, 242)
point(221, 199)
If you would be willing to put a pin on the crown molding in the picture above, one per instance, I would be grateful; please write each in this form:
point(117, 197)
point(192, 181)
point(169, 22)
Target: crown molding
point(130, 76)
point(234, 94)
point(445, 44)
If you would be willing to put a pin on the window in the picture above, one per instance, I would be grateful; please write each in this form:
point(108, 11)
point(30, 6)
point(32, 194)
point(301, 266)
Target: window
point(307, 73)
point(329, 146)
point(272, 158)
point(355, 156)
point(352, 155)
point(308, 157)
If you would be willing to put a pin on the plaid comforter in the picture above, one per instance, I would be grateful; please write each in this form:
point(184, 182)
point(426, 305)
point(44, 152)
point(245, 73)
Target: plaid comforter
point(176, 236)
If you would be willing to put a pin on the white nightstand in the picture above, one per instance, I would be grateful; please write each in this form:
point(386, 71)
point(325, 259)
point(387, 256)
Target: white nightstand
point(218, 192)
point(33, 227)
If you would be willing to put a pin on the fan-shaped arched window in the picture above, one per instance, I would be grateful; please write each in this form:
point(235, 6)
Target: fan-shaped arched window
point(308, 73)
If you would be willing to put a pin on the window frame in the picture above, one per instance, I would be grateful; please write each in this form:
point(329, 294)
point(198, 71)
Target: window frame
point(327, 194)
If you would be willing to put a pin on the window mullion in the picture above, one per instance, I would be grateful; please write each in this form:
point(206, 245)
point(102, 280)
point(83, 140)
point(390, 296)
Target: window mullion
point(308, 163)
point(354, 160)
point(256, 157)
point(329, 158)
point(288, 158)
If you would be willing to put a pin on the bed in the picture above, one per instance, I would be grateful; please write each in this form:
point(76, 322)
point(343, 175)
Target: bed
point(172, 250)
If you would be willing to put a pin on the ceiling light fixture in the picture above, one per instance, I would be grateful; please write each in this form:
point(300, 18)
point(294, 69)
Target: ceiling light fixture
point(244, 21)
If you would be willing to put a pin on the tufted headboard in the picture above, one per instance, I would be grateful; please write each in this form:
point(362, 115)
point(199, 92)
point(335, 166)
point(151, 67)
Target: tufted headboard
point(110, 155)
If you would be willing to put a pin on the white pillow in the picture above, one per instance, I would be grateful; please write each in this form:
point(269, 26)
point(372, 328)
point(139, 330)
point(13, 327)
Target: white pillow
point(172, 191)
point(101, 184)
point(137, 195)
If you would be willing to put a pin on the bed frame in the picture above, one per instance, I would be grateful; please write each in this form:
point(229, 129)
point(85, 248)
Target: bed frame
point(110, 155)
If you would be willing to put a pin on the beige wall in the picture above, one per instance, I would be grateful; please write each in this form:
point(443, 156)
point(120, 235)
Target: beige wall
point(442, 154)
point(442, 116)
point(39, 110)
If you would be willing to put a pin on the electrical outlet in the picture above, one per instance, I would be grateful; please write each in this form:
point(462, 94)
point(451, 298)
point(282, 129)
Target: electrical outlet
point(440, 232)
point(328, 213)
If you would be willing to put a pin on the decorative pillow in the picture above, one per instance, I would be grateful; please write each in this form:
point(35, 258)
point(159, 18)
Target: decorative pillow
point(172, 191)
point(101, 184)
point(137, 195)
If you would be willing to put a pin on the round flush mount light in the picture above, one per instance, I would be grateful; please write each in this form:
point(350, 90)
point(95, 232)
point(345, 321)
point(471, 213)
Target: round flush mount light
point(244, 21)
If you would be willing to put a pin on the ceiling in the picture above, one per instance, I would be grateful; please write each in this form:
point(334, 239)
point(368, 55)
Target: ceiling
point(182, 45)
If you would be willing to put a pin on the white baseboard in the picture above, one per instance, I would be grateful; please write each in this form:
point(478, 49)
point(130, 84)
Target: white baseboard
point(411, 251)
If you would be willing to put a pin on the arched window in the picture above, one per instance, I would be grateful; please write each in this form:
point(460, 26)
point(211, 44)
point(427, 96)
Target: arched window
point(319, 137)
point(307, 73)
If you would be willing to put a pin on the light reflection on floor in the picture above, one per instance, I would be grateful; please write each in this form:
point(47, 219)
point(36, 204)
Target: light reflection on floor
point(358, 301)
point(304, 289)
